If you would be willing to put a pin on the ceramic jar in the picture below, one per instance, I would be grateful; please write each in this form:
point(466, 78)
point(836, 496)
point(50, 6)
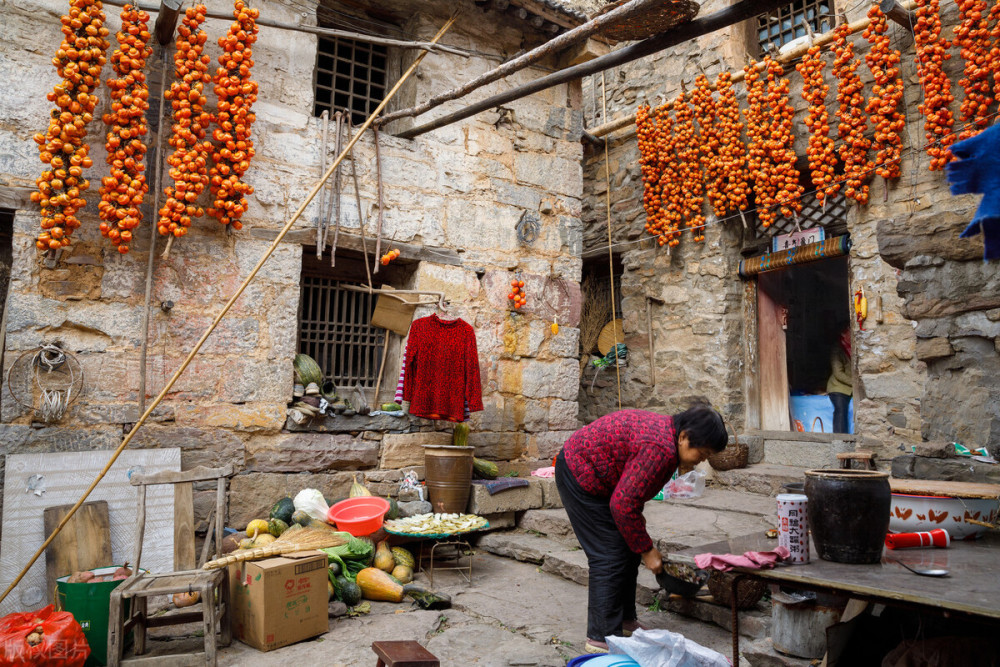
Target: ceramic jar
point(848, 513)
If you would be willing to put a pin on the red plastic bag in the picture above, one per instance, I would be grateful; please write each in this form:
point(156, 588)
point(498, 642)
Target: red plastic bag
point(62, 641)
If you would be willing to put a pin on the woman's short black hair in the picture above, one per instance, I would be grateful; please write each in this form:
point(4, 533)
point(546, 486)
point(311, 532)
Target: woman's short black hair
point(704, 426)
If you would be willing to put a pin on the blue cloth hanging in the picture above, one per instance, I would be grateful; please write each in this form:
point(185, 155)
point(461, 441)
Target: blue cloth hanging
point(978, 171)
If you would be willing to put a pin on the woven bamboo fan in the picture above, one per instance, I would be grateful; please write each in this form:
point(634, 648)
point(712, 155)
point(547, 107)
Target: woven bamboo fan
point(658, 18)
point(292, 540)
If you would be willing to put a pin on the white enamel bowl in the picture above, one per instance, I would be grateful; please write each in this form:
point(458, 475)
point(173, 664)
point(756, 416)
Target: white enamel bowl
point(912, 514)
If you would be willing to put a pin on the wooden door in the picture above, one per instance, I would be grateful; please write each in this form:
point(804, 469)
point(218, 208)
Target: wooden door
point(772, 361)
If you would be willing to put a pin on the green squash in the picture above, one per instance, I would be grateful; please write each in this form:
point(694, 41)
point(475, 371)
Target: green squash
point(283, 510)
point(276, 527)
point(350, 592)
point(393, 512)
point(335, 568)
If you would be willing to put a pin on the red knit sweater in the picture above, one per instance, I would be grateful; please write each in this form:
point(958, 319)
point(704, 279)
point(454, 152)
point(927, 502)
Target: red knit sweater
point(442, 369)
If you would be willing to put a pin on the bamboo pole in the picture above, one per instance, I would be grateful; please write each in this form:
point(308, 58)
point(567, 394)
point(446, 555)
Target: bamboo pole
point(225, 309)
point(563, 41)
point(784, 59)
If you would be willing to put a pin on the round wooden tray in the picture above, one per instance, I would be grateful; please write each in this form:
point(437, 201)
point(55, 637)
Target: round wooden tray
point(656, 19)
point(606, 340)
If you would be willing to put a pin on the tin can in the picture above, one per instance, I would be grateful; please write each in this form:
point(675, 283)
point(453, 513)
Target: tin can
point(793, 527)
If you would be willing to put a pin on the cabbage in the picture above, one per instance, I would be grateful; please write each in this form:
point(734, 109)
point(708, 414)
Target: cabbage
point(312, 503)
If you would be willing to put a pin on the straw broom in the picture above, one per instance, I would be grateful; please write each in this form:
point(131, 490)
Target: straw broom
point(296, 538)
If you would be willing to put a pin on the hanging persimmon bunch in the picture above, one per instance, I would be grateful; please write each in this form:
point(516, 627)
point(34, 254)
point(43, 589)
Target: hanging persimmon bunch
point(851, 117)
point(706, 114)
point(670, 179)
point(78, 61)
point(758, 136)
point(887, 96)
point(821, 153)
point(972, 38)
point(784, 175)
point(237, 92)
point(732, 152)
point(691, 181)
point(189, 161)
point(932, 52)
point(648, 135)
point(123, 191)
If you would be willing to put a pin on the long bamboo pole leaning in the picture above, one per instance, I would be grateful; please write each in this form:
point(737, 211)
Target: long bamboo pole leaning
point(783, 59)
point(225, 309)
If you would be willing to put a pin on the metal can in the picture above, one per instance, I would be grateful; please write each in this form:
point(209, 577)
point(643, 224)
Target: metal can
point(793, 527)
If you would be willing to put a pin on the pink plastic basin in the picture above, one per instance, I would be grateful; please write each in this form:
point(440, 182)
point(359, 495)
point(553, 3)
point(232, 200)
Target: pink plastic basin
point(359, 516)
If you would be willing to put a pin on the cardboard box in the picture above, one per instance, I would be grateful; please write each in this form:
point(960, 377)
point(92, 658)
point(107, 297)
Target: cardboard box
point(279, 601)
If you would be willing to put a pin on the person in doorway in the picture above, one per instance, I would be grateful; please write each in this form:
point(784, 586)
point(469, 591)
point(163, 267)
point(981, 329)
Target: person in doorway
point(840, 386)
point(605, 473)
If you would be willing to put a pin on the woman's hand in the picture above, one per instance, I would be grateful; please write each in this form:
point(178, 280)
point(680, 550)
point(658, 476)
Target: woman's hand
point(653, 560)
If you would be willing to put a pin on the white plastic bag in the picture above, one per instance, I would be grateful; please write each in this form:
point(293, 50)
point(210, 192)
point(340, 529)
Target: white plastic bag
point(688, 485)
point(662, 648)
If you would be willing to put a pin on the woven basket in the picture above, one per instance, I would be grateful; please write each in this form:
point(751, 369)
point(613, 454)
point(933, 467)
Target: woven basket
point(735, 455)
point(653, 21)
point(748, 591)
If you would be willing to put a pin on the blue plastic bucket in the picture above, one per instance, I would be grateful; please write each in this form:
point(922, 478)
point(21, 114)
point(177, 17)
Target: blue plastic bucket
point(602, 660)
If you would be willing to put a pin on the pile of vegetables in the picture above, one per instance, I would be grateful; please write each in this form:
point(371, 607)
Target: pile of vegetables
point(122, 192)
point(189, 161)
point(78, 62)
point(237, 92)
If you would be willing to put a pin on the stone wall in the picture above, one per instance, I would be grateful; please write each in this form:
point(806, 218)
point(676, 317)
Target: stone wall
point(463, 188)
point(699, 299)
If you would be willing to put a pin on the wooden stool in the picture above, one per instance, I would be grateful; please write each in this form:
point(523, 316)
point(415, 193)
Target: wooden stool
point(403, 654)
point(865, 458)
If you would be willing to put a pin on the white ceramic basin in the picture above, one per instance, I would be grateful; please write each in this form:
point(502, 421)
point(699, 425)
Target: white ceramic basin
point(911, 514)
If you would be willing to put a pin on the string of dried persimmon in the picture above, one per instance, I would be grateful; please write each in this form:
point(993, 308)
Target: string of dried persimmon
point(758, 135)
point(887, 96)
point(691, 183)
point(78, 61)
point(648, 138)
point(706, 114)
point(732, 152)
point(820, 151)
point(784, 175)
point(123, 190)
point(932, 52)
point(852, 120)
point(972, 39)
point(670, 177)
point(237, 92)
point(189, 161)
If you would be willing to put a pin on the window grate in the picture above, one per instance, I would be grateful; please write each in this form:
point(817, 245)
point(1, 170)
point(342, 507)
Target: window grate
point(813, 214)
point(335, 330)
point(349, 76)
point(782, 25)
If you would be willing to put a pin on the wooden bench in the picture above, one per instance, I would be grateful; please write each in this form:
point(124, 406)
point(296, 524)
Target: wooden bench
point(403, 654)
point(865, 459)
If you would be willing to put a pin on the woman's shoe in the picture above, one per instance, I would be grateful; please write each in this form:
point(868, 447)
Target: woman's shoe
point(628, 627)
point(594, 646)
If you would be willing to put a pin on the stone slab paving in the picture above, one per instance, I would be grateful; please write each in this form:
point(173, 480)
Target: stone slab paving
point(513, 614)
point(763, 479)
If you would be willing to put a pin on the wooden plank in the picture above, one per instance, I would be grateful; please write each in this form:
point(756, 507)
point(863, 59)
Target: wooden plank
point(804, 436)
point(83, 544)
point(199, 474)
point(540, 9)
point(14, 197)
point(184, 556)
point(771, 353)
point(407, 251)
point(931, 487)
point(751, 375)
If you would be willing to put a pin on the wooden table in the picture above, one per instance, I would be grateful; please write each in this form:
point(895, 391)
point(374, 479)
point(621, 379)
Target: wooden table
point(972, 589)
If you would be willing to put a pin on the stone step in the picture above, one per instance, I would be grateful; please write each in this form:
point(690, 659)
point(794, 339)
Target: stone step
point(805, 454)
point(761, 653)
point(755, 623)
point(763, 479)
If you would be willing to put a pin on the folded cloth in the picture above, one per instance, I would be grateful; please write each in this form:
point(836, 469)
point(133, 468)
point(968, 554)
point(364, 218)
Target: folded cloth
point(544, 472)
point(495, 486)
point(978, 170)
point(753, 560)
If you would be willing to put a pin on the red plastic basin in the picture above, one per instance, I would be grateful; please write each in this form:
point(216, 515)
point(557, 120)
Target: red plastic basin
point(359, 516)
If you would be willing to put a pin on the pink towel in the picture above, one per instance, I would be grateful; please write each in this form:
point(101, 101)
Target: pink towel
point(544, 472)
point(754, 560)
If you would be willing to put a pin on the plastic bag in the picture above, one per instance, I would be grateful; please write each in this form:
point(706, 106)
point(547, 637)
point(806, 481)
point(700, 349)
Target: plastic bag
point(62, 643)
point(688, 485)
point(665, 649)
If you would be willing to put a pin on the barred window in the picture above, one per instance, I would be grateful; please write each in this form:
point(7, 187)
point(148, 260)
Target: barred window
point(782, 25)
point(350, 76)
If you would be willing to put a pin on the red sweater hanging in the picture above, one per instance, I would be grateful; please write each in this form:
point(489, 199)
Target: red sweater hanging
point(442, 369)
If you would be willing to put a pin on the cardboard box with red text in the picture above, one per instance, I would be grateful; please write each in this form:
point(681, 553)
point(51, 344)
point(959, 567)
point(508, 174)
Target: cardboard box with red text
point(279, 601)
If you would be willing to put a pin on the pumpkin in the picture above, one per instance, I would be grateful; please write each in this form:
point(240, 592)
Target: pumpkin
point(384, 559)
point(403, 574)
point(350, 592)
point(403, 557)
point(377, 585)
point(186, 599)
point(283, 509)
point(358, 489)
point(276, 527)
point(257, 527)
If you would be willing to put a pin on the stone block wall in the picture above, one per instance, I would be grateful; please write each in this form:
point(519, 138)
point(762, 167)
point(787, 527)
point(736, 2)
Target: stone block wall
point(463, 187)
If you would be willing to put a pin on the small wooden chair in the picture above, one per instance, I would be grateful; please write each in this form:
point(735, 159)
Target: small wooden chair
point(141, 586)
point(865, 459)
point(403, 654)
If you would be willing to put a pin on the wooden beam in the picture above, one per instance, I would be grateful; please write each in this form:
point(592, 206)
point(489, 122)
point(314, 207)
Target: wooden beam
point(15, 197)
point(409, 251)
point(898, 14)
point(540, 9)
point(741, 11)
point(553, 46)
point(166, 21)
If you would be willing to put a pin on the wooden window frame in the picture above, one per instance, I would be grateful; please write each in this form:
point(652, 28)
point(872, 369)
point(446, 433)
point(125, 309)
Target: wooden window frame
point(363, 84)
point(768, 28)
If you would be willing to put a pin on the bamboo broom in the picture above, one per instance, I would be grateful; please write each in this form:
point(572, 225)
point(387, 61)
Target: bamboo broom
point(218, 318)
point(294, 539)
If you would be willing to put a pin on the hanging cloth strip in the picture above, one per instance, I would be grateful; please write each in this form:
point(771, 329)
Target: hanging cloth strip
point(835, 247)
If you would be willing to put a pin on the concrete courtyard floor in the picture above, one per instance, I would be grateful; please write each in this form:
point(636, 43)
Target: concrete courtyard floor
point(512, 614)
